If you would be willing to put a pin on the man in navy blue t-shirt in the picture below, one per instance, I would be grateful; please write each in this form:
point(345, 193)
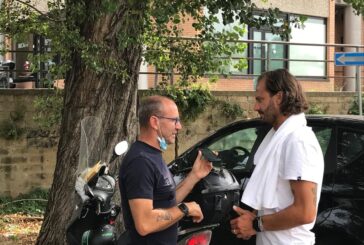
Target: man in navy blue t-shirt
point(151, 201)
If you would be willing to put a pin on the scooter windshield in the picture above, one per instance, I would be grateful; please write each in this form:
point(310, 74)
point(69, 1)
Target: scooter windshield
point(91, 143)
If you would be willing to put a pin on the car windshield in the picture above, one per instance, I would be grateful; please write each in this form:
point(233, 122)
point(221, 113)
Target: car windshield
point(234, 149)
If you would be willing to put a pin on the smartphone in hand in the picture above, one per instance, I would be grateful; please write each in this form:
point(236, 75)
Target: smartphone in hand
point(210, 156)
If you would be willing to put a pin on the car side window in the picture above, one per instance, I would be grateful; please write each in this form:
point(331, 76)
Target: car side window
point(351, 146)
point(235, 149)
point(323, 136)
point(350, 171)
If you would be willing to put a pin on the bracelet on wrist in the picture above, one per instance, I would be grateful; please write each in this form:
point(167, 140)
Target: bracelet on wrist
point(260, 223)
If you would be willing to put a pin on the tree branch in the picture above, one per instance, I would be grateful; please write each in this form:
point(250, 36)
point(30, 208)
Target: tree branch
point(37, 10)
point(32, 7)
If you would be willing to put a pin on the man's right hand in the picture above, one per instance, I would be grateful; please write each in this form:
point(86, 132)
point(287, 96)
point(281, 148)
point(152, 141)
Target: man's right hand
point(194, 211)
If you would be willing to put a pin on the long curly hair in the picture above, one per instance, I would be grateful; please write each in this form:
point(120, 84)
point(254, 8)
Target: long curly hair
point(294, 100)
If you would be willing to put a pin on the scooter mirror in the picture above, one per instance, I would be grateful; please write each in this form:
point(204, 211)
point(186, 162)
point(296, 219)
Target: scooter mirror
point(121, 147)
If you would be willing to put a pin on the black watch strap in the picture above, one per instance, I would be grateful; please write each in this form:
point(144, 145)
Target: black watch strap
point(183, 207)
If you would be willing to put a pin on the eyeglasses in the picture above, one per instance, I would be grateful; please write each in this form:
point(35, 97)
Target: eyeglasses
point(175, 119)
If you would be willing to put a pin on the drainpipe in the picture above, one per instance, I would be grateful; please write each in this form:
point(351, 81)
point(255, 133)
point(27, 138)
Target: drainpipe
point(143, 76)
point(352, 35)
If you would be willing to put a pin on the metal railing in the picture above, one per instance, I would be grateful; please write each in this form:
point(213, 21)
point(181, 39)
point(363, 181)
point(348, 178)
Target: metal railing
point(330, 72)
point(266, 59)
point(269, 60)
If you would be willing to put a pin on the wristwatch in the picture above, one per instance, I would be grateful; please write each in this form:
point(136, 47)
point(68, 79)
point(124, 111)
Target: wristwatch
point(258, 224)
point(183, 207)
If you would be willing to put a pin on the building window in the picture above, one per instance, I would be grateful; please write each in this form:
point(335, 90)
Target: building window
point(301, 60)
point(265, 56)
point(314, 32)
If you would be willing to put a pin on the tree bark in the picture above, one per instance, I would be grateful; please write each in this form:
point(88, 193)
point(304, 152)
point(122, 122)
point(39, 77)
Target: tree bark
point(90, 94)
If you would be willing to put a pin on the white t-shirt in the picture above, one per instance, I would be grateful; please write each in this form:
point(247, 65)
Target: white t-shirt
point(301, 159)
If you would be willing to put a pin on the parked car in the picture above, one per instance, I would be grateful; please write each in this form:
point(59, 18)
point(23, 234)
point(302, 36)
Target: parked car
point(340, 217)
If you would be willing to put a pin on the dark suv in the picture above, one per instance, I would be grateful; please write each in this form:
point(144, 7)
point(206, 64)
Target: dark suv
point(340, 217)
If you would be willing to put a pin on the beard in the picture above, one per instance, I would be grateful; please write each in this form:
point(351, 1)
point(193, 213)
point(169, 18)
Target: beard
point(171, 139)
point(269, 114)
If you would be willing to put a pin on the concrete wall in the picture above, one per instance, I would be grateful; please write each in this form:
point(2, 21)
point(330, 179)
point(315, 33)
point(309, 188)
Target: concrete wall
point(29, 162)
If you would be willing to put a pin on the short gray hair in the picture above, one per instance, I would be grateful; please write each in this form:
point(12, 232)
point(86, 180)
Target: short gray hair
point(150, 106)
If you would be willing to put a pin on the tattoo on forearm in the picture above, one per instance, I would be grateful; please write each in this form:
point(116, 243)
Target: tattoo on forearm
point(314, 192)
point(164, 216)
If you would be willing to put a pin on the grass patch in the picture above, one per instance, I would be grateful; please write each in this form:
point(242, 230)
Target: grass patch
point(32, 203)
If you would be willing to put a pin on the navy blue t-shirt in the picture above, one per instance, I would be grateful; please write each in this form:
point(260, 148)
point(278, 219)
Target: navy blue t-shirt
point(144, 174)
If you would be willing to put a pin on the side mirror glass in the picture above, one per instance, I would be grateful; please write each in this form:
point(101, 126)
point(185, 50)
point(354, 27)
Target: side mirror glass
point(121, 148)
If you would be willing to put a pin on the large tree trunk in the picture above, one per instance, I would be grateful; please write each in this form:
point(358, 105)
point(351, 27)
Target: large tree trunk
point(88, 94)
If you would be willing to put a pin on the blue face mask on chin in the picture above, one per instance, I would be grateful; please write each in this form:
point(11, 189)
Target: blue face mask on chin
point(162, 143)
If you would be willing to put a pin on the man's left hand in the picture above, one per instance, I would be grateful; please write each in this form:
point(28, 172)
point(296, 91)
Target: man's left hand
point(242, 226)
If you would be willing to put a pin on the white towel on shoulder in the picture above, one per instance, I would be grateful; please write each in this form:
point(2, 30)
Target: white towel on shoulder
point(260, 190)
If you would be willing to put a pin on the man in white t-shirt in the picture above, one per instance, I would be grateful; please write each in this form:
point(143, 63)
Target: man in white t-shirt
point(285, 186)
